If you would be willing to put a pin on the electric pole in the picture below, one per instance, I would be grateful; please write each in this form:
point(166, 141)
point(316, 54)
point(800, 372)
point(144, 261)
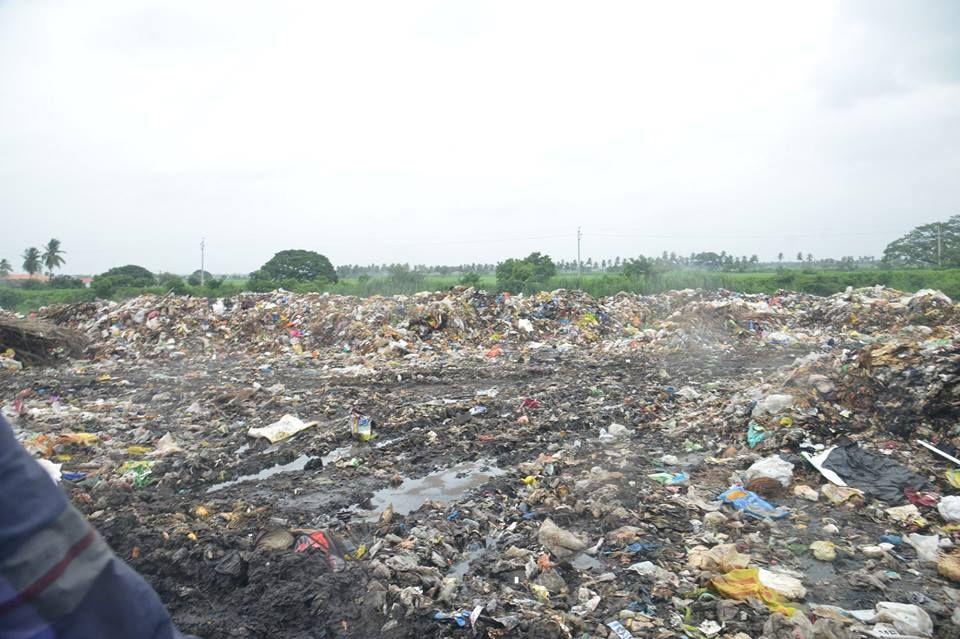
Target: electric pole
point(202, 256)
point(939, 245)
point(579, 235)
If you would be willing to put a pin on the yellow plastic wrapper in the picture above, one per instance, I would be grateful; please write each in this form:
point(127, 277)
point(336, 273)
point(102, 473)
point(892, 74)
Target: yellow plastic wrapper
point(745, 582)
point(953, 477)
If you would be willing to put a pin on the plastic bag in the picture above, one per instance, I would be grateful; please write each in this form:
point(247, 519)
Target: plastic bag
point(876, 475)
point(927, 546)
point(909, 619)
point(773, 404)
point(744, 583)
point(752, 504)
point(949, 508)
point(772, 467)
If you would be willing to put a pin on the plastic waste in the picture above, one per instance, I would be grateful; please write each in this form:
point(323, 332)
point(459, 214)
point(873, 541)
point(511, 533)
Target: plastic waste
point(908, 514)
point(949, 508)
point(953, 477)
point(721, 558)
point(52, 469)
point(284, 428)
point(755, 434)
point(744, 583)
point(927, 546)
point(841, 494)
point(786, 585)
point(166, 445)
point(772, 467)
point(361, 427)
point(908, 619)
point(669, 479)
point(650, 569)
point(561, 543)
point(805, 492)
point(824, 550)
point(752, 504)
point(773, 405)
point(619, 630)
point(876, 475)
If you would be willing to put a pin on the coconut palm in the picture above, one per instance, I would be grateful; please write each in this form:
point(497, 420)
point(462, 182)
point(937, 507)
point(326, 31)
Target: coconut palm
point(5, 268)
point(53, 255)
point(31, 261)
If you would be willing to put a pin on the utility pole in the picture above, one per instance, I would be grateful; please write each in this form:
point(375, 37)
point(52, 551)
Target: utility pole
point(579, 235)
point(202, 256)
point(939, 245)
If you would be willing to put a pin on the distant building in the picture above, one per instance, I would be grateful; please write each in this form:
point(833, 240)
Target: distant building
point(20, 277)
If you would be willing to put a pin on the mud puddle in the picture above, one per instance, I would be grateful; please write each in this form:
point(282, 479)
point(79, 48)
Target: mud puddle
point(443, 486)
point(297, 464)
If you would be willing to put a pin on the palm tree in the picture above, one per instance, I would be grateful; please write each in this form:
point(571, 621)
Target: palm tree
point(31, 261)
point(52, 255)
point(5, 268)
point(780, 256)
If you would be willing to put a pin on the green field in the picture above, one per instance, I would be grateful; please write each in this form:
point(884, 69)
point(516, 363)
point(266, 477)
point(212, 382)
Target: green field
point(596, 284)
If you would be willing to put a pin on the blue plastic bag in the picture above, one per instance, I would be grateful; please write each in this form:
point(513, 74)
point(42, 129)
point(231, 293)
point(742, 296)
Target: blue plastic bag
point(752, 504)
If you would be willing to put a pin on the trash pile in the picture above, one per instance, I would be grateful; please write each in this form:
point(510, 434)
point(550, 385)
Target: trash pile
point(462, 464)
point(34, 341)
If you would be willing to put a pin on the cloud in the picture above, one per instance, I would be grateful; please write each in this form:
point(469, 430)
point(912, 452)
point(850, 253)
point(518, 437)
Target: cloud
point(882, 48)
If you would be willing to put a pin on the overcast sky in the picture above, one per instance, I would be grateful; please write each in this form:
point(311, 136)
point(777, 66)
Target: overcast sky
point(447, 132)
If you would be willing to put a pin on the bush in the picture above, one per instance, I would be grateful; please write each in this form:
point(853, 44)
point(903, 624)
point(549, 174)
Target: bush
point(10, 297)
point(65, 281)
point(470, 279)
point(174, 283)
point(104, 286)
point(295, 264)
point(32, 285)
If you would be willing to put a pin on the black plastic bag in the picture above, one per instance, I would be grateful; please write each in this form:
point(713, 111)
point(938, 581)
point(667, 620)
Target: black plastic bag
point(876, 475)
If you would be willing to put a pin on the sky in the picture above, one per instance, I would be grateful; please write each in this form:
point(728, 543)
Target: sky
point(454, 132)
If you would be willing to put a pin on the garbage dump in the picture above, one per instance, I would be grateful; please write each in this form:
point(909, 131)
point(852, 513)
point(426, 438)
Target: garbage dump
point(467, 464)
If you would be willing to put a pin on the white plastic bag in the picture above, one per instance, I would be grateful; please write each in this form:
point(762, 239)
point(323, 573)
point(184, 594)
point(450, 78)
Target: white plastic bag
point(773, 405)
point(772, 467)
point(909, 619)
point(927, 546)
point(949, 508)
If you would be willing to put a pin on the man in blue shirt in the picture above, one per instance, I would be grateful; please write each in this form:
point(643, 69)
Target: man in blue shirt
point(58, 577)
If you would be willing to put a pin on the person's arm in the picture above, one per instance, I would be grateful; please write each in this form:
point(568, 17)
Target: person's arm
point(58, 577)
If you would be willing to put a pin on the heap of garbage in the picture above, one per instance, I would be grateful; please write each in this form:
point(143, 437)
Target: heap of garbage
point(699, 464)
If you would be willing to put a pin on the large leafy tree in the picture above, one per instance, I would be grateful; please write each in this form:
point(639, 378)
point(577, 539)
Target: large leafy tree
point(919, 246)
point(53, 256)
point(195, 277)
point(296, 264)
point(527, 274)
point(32, 261)
point(5, 268)
point(129, 275)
